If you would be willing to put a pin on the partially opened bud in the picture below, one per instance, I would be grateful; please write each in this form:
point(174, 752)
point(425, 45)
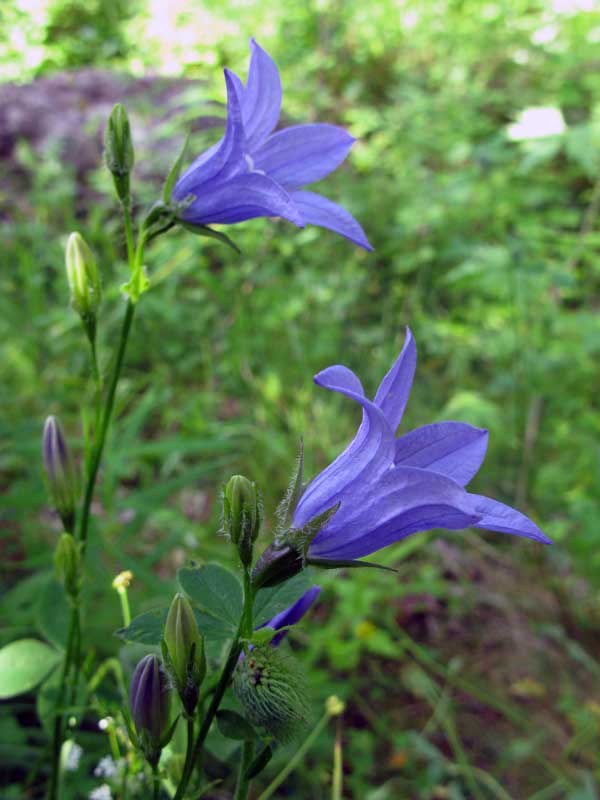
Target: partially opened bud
point(83, 277)
point(272, 691)
point(118, 150)
point(149, 698)
point(242, 514)
point(60, 471)
point(66, 563)
point(185, 647)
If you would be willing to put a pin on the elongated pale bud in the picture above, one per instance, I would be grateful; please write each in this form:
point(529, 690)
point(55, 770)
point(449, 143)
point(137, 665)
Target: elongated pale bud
point(83, 277)
point(118, 150)
point(150, 701)
point(66, 564)
point(272, 691)
point(242, 515)
point(61, 472)
point(185, 648)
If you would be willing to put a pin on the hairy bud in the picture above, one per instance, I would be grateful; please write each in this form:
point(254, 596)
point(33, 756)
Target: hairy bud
point(185, 648)
point(118, 150)
point(66, 563)
point(272, 691)
point(149, 698)
point(83, 277)
point(60, 472)
point(242, 515)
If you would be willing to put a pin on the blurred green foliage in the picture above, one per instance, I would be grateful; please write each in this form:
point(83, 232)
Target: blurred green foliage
point(486, 243)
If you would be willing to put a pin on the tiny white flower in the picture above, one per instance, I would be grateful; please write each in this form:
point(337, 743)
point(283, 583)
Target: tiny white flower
point(73, 756)
point(106, 768)
point(101, 793)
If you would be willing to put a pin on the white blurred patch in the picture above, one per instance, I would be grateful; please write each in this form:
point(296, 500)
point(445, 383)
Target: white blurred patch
point(72, 756)
point(537, 122)
point(573, 6)
point(101, 793)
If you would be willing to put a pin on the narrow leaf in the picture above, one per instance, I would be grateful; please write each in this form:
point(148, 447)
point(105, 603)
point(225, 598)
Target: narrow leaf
point(287, 506)
point(325, 563)
point(147, 628)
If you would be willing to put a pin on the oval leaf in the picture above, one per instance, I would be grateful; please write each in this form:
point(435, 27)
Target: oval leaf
point(147, 628)
point(216, 591)
point(24, 664)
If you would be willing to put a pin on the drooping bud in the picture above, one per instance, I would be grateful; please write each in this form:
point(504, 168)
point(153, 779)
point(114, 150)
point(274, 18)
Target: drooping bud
point(66, 564)
point(60, 471)
point(83, 277)
point(118, 150)
point(279, 562)
point(242, 515)
point(150, 700)
point(272, 691)
point(185, 648)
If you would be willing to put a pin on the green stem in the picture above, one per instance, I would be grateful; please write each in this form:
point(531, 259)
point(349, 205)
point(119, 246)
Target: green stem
point(336, 784)
point(296, 758)
point(128, 232)
point(243, 784)
point(155, 782)
point(220, 688)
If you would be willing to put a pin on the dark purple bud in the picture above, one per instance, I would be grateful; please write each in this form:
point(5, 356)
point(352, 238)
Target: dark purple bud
point(277, 564)
point(149, 698)
point(60, 471)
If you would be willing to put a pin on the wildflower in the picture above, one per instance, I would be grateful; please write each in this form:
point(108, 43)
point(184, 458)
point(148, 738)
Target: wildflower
point(291, 615)
point(253, 172)
point(390, 488)
point(149, 699)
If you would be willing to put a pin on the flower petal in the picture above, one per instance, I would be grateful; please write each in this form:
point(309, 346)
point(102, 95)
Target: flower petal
point(454, 449)
point(394, 389)
point(318, 210)
point(365, 459)
point(261, 101)
point(224, 158)
point(239, 198)
point(303, 154)
point(293, 614)
point(405, 501)
point(496, 516)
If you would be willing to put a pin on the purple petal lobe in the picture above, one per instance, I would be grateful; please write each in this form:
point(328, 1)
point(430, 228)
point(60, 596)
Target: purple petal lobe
point(262, 97)
point(293, 614)
point(394, 389)
point(406, 500)
point(317, 210)
point(242, 197)
point(303, 154)
point(365, 459)
point(455, 449)
point(223, 159)
point(496, 516)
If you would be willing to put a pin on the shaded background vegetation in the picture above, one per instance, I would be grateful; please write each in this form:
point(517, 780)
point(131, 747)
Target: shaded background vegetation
point(474, 671)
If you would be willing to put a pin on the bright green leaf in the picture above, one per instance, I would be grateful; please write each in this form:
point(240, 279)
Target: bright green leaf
point(24, 664)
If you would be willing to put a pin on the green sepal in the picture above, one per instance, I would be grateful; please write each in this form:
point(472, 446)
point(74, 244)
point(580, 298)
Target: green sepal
point(308, 532)
point(259, 763)
point(175, 170)
point(264, 635)
point(168, 735)
point(233, 726)
point(130, 727)
point(325, 563)
point(288, 504)
point(204, 230)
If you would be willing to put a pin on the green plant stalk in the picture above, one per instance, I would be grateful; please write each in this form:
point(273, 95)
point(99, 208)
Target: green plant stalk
point(243, 784)
point(336, 783)
point(296, 758)
point(155, 782)
point(220, 688)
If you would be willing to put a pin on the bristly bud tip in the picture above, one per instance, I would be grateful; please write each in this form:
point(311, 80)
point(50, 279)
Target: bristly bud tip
point(242, 515)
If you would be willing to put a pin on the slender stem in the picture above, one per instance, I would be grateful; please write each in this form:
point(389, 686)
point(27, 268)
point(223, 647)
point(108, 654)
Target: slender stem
point(243, 784)
point(336, 784)
point(230, 664)
point(296, 758)
point(128, 232)
point(155, 782)
point(189, 748)
point(125, 610)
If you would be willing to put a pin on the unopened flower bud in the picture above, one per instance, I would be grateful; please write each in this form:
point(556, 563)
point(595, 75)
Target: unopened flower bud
point(242, 515)
point(83, 277)
point(149, 698)
point(185, 647)
point(66, 563)
point(272, 691)
point(278, 563)
point(118, 150)
point(60, 471)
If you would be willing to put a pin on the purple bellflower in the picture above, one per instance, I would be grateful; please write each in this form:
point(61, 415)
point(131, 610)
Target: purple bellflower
point(291, 615)
point(253, 172)
point(388, 488)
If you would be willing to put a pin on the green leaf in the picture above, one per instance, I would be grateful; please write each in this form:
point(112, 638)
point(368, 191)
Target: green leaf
point(175, 171)
point(204, 230)
point(146, 628)
point(53, 613)
point(217, 593)
point(233, 726)
point(272, 600)
point(259, 763)
point(24, 664)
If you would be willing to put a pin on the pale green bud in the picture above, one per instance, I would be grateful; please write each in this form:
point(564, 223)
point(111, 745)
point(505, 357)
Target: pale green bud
point(118, 150)
point(242, 515)
point(66, 563)
point(83, 277)
point(185, 648)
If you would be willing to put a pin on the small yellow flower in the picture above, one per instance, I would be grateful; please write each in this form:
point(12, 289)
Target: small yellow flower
point(123, 580)
point(334, 706)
